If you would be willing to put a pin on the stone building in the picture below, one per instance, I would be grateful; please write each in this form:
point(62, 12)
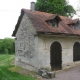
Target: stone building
point(44, 40)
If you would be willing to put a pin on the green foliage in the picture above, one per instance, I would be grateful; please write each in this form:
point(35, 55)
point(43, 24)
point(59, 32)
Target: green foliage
point(6, 51)
point(7, 45)
point(55, 6)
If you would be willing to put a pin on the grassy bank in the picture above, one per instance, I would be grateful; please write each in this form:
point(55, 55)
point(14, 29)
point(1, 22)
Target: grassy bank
point(6, 62)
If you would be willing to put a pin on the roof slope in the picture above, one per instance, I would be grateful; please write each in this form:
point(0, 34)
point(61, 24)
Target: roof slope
point(39, 19)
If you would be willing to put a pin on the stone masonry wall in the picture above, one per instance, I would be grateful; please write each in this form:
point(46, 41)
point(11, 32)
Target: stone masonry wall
point(25, 45)
point(67, 50)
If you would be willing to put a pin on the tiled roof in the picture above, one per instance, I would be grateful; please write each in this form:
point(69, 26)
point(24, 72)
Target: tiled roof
point(39, 19)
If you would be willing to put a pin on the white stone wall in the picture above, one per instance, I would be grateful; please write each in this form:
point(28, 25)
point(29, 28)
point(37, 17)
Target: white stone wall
point(67, 50)
point(26, 45)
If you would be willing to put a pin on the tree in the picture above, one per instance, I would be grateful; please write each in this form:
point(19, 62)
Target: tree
point(1, 47)
point(7, 44)
point(55, 7)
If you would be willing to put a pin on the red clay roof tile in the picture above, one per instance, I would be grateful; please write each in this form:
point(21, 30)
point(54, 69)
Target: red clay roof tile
point(38, 19)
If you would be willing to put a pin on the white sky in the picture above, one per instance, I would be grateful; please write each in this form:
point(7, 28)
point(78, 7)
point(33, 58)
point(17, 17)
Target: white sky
point(10, 11)
point(74, 3)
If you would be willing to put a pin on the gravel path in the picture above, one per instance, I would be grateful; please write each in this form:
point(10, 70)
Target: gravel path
point(70, 74)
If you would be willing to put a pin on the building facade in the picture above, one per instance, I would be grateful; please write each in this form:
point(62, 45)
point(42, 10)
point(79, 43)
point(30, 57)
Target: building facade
point(44, 40)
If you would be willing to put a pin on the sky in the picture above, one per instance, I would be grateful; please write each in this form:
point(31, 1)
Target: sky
point(74, 3)
point(10, 11)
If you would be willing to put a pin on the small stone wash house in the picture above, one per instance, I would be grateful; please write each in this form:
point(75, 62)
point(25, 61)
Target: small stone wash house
point(44, 40)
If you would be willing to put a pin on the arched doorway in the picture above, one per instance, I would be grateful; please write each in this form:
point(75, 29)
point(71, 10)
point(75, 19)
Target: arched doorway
point(76, 51)
point(56, 56)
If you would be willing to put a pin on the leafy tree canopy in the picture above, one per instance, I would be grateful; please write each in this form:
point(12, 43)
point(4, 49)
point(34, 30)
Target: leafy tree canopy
point(7, 44)
point(55, 7)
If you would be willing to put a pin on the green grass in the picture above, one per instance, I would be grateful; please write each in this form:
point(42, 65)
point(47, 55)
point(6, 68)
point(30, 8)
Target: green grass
point(6, 74)
point(6, 59)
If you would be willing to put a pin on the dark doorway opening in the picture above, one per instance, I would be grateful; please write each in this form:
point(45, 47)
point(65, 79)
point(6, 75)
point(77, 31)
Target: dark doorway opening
point(76, 51)
point(56, 56)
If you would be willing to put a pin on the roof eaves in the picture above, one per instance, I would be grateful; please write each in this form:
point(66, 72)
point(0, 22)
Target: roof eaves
point(53, 33)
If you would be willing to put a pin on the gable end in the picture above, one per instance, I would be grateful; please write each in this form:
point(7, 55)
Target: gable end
point(18, 23)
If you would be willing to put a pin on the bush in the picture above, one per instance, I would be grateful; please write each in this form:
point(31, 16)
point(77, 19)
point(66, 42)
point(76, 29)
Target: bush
point(7, 45)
